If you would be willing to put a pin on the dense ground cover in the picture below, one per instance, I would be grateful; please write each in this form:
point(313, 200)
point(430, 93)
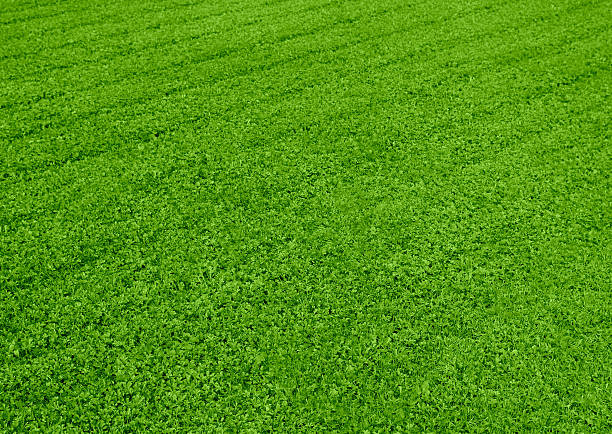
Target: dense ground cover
point(305, 214)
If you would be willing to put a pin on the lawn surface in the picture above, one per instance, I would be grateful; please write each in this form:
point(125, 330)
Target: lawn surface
point(313, 215)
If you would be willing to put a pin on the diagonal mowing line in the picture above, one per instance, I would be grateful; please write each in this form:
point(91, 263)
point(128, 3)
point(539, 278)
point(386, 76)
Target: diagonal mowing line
point(204, 59)
point(82, 155)
point(222, 54)
point(155, 46)
point(104, 20)
point(267, 68)
point(120, 34)
point(511, 59)
point(19, 20)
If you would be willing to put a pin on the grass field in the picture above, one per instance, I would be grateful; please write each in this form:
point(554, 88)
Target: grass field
point(305, 215)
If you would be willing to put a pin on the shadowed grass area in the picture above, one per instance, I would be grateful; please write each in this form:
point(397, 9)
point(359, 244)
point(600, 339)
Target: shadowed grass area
point(310, 215)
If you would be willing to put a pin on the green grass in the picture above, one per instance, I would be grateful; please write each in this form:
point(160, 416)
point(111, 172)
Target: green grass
point(309, 215)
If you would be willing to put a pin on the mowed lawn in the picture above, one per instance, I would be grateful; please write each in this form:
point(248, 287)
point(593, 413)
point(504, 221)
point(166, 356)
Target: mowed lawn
point(305, 215)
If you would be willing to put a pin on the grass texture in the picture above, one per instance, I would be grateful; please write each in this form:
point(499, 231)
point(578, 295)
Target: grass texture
point(305, 215)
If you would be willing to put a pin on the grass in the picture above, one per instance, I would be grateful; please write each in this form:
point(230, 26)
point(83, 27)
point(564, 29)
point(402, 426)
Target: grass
point(311, 215)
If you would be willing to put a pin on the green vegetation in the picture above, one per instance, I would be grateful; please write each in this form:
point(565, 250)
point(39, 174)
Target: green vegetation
point(314, 215)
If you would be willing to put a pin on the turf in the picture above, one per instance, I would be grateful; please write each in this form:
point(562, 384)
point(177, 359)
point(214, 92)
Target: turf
point(305, 215)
